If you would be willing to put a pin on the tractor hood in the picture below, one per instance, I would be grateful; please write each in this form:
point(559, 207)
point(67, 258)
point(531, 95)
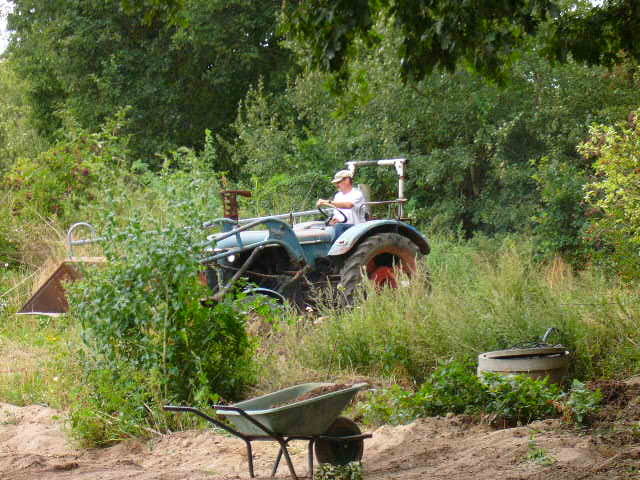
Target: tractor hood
point(247, 238)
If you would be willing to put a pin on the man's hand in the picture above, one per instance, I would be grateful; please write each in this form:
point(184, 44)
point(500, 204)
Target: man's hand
point(323, 203)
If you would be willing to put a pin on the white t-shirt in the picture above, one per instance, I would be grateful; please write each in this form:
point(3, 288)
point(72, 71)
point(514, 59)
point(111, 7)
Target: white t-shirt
point(354, 215)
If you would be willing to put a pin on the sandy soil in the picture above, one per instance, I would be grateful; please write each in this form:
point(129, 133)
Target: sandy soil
point(34, 445)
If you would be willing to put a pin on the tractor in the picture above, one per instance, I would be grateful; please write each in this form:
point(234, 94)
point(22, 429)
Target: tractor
point(284, 258)
point(289, 260)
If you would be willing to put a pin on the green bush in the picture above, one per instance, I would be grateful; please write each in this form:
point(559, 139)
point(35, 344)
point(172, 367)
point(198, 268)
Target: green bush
point(454, 388)
point(350, 471)
point(71, 173)
point(615, 194)
point(150, 339)
point(519, 398)
point(582, 403)
point(9, 255)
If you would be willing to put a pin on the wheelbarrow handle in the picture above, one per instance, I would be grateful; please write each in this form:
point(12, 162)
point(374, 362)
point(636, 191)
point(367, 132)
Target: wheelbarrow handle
point(217, 423)
point(241, 412)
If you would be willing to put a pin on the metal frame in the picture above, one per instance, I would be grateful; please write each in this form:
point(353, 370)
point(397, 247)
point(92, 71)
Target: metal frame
point(283, 440)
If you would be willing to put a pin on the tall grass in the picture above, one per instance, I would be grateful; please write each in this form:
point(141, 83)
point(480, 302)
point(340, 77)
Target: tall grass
point(480, 299)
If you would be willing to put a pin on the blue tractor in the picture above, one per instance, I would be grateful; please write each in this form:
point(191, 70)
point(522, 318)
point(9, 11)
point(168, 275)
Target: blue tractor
point(285, 259)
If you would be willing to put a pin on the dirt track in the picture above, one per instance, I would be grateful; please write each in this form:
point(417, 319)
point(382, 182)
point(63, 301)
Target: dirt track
point(33, 445)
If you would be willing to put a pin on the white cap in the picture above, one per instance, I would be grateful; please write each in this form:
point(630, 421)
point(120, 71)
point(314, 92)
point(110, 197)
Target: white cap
point(341, 175)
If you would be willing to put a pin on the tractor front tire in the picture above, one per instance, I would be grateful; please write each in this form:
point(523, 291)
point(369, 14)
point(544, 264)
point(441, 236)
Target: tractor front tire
point(378, 257)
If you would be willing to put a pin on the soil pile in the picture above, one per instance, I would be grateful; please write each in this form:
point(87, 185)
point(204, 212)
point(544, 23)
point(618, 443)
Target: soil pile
point(316, 392)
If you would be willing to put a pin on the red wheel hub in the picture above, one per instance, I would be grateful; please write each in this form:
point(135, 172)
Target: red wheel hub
point(382, 276)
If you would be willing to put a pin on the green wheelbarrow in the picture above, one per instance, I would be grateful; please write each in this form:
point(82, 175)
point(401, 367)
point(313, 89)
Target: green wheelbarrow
point(278, 417)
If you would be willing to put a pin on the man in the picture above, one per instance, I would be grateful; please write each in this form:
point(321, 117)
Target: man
point(348, 200)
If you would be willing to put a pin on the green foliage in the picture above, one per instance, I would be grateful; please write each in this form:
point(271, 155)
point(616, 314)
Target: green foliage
point(151, 341)
point(482, 158)
point(181, 66)
point(615, 194)
point(69, 174)
point(144, 306)
point(537, 454)
point(453, 387)
point(111, 405)
point(8, 249)
point(185, 191)
point(519, 398)
point(562, 218)
point(595, 34)
point(18, 138)
point(482, 35)
point(485, 295)
point(393, 405)
point(437, 35)
point(582, 403)
point(350, 471)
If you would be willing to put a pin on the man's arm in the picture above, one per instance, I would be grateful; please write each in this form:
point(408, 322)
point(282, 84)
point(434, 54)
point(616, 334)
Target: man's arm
point(335, 204)
point(342, 204)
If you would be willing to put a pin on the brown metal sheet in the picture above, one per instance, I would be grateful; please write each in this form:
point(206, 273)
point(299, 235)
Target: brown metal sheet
point(50, 298)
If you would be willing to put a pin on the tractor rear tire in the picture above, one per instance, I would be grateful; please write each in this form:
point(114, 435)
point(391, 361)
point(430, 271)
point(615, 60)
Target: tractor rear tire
point(377, 257)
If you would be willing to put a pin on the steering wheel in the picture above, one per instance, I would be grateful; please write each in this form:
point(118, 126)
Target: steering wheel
point(328, 215)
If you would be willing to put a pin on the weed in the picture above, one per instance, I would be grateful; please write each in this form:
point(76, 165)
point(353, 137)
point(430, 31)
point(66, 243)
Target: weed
point(150, 341)
point(519, 398)
point(454, 388)
point(582, 403)
point(537, 454)
point(350, 471)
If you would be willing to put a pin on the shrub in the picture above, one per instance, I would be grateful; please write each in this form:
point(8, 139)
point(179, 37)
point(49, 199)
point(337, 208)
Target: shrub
point(9, 254)
point(150, 339)
point(582, 403)
point(519, 398)
point(70, 173)
point(615, 194)
point(454, 388)
point(350, 471)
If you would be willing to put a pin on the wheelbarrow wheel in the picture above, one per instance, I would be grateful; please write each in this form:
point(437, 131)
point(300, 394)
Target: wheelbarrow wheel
point(340, 452)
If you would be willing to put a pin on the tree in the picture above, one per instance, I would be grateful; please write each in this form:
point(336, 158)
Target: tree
point(482, 34)
point(615, 193)
point(482, 158)
point(182, 65)
point(17, 135)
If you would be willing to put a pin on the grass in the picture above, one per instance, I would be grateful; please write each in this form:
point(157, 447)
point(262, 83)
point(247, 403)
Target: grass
point(479, 300)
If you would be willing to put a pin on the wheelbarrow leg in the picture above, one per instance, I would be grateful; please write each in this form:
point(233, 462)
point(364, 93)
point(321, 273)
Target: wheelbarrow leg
point(277, 463)
point(250, 458)
point(285, 451)
point(310, 458)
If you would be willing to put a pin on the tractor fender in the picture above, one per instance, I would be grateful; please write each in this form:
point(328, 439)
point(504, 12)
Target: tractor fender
point(356, 234)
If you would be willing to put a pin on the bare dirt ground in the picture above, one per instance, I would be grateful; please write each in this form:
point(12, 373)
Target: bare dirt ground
point(34, 445)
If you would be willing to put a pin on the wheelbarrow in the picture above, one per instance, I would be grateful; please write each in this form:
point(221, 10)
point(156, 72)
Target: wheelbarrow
point(278, 417)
